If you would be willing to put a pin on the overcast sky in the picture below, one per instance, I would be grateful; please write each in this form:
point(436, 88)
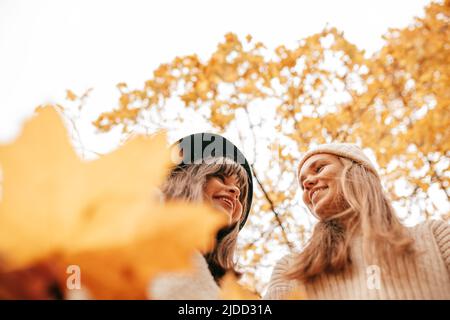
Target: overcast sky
point(49, 46)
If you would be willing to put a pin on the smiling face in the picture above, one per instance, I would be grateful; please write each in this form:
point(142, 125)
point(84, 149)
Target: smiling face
point(223, 193)
point(320, 181)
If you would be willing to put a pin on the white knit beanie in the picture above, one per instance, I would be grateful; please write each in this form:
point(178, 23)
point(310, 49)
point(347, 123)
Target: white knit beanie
point(347, 150)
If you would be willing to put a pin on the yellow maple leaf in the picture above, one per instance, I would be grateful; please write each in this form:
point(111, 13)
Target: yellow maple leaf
point(70, 95)
point(232, 290)
point(100, 215)
point(295, 295)
point(166, 244)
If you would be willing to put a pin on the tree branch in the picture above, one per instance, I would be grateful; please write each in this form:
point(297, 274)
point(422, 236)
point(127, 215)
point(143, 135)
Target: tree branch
point(272, 208)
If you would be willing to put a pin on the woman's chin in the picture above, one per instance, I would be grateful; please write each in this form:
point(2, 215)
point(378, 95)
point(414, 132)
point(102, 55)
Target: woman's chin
point(324, 212)
point(320, 210)
point(226, 211)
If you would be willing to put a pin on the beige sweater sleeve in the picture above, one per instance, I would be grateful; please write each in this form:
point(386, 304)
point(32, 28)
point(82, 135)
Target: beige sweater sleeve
point(441, 232)
point(279, 288)
point(197, 285)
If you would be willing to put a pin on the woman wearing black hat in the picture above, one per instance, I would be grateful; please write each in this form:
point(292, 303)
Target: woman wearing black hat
point(214, 171)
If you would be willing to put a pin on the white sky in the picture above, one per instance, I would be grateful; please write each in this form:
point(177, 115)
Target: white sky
point(49, 46)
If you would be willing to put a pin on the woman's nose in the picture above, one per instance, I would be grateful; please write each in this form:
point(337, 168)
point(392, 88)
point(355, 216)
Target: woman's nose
point(234, 191)
point(309, 182)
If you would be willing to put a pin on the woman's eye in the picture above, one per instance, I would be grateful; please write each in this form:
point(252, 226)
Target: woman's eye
point(221, 177)
point(319, 168)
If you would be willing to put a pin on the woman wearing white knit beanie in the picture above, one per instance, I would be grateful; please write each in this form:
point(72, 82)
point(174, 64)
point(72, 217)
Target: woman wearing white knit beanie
point(359, 249)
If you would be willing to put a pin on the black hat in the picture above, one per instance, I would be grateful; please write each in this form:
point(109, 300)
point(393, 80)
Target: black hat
point(200, 146)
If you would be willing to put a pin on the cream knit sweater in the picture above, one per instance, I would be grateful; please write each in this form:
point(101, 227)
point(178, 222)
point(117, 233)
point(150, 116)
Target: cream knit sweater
point(429, 278)
point(198, 284)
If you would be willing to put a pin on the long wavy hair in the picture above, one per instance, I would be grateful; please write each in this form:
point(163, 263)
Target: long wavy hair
point(368, 212)
point(188, 183)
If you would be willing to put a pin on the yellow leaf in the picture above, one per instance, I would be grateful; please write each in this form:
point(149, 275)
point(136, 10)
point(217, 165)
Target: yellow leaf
point(70, 95)
point(164, 244)
point(296, 295)
point(231, 290)
point(100, 215)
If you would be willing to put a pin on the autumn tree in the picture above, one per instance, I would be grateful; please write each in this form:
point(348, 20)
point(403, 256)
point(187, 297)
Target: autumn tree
point(277, 104)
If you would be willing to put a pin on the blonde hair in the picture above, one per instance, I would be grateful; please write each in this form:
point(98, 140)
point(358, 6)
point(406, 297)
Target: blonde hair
point(188, 183)
point(369, 211)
